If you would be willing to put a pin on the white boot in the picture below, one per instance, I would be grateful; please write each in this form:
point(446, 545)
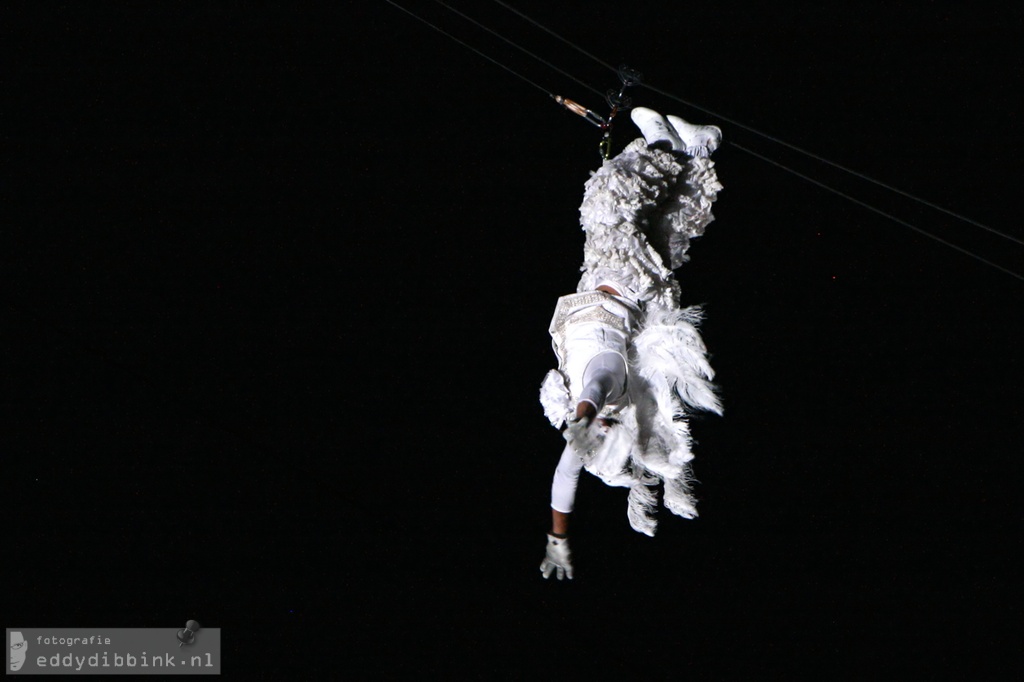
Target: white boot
point(696, 140)
point(656, 129)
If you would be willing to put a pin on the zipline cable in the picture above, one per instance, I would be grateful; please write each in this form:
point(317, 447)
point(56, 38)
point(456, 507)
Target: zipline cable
point(838, 166)
point(469, 47)
point(880, 212)
point(748, 151)
point(548, 30)
point(615, 100)
point(772, 138)
point(518, 47)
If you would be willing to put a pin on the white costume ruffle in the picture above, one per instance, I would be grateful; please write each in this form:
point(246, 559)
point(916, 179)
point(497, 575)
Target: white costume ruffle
point(639, 211)
point(623, 244)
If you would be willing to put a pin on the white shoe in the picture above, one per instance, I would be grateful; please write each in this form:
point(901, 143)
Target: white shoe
point(656, 129)
point(696, 140)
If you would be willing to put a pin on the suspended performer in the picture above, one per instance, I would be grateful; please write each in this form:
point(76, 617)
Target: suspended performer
point(631, 363)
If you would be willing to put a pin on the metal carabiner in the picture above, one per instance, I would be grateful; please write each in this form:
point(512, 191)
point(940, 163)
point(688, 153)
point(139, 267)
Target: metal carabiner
point(580, 110)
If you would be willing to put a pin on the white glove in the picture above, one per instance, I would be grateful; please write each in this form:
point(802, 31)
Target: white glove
point(558, 558)
point(584, 437)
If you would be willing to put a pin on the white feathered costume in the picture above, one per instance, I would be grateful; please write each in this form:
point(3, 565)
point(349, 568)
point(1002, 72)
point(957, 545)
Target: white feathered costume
point(639, 212)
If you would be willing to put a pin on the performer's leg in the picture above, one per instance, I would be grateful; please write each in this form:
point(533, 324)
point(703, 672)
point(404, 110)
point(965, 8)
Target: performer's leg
point(603, 380)
point(586, 410)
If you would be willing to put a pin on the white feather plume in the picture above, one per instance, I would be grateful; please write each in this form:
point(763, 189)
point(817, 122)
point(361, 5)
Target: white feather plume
point(641, 507)
point(555, 398)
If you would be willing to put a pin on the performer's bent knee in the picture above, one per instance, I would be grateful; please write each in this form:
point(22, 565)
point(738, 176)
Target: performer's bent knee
point(604, 379)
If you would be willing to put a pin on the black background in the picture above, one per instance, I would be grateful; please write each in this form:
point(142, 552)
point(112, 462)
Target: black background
point(276, 282)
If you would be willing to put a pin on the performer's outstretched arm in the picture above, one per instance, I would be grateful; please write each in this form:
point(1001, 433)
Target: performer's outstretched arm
point(605, 377)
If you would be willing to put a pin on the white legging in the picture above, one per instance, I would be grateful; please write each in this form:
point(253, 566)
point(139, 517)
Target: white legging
point(604, 379)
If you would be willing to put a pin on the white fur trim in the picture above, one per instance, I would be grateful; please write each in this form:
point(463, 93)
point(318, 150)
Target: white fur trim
point(554, 397)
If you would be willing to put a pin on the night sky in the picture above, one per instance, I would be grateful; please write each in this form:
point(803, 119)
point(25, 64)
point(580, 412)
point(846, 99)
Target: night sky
point(276, 288)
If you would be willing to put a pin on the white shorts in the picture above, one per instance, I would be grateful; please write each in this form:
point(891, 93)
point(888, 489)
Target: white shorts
point(585, 326)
